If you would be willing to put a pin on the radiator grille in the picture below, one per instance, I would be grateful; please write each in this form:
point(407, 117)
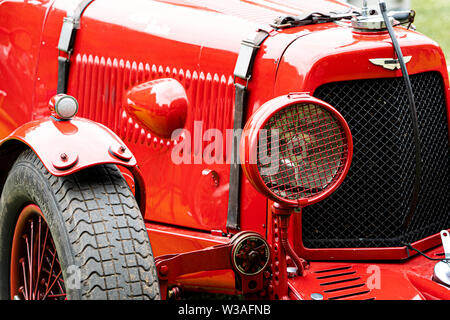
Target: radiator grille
point(372, 204)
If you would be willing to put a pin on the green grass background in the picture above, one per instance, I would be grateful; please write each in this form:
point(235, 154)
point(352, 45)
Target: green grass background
point(433, 20)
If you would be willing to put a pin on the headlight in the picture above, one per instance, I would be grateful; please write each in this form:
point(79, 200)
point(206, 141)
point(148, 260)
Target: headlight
point(296, 149)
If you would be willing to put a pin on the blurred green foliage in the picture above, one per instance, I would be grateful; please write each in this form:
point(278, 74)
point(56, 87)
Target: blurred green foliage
point(433, 20)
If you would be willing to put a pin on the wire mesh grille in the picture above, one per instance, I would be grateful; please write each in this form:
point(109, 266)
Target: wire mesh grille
point(371, 205)
point(301, 151)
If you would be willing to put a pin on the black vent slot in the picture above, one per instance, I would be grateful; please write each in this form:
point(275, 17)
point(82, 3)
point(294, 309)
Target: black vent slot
point(342, 283)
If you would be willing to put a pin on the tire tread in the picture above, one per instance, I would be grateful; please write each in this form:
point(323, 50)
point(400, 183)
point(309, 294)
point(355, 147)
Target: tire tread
point(107, 232)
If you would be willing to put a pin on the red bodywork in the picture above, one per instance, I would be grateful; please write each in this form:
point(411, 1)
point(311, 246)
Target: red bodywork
point(251, 133)
point(122, 44)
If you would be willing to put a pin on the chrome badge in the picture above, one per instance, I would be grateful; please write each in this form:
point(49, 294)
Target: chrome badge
point(388, 63)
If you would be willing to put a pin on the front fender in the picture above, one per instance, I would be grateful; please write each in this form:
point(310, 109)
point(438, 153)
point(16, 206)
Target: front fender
point(65, 147)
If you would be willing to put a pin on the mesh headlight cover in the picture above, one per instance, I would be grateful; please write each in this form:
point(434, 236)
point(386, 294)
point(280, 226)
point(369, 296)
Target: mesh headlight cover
point(303, 150)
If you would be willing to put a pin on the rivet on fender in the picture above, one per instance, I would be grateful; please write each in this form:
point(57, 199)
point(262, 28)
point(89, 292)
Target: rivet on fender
point(64, 160)
point(121, 152)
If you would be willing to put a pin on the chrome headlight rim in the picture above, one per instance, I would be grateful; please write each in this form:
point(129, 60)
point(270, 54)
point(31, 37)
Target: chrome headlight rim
point(251, 135)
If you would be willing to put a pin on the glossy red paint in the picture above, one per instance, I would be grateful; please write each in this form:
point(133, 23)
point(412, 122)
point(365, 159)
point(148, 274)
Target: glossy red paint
point(58, 142)
point(251, 136)
point(391, 253)
point(67, 146)
point(209, 87)
point(220, 257)
point(20, 41)
point(122, 44)
point(160, 105)
point(351, 52)
point(192, 240)
point(407, 280)
point(307, 72)
point(349, 254)
point(172, 266)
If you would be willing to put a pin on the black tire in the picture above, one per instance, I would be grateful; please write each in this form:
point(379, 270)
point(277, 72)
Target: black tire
point(96, 226)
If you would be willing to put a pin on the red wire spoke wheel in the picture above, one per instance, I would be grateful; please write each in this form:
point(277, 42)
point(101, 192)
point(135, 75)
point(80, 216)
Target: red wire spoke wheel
point(296, 149)
point(75, 237)
point(36, 272)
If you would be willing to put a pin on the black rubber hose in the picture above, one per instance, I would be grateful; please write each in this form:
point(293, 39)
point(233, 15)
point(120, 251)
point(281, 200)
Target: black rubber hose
point(284, 240)
point(413, 111)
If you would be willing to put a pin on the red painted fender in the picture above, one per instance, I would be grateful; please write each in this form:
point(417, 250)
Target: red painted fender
point(67, 146)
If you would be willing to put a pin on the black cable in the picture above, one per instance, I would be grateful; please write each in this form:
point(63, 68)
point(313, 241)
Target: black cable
point(410, 247)
point(413, 111)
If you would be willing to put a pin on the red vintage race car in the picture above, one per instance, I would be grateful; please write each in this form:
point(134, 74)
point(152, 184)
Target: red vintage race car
point(265, 148)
